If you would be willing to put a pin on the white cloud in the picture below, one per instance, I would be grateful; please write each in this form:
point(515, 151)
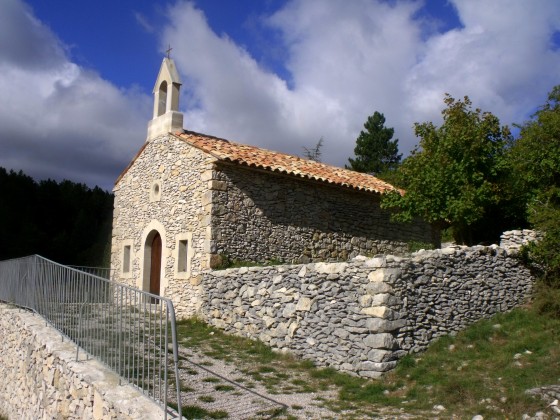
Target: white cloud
point(501, 58)
point(349, 59)
point(337, 69)
point(60, 120)
point(144, 22)
point(345, 60)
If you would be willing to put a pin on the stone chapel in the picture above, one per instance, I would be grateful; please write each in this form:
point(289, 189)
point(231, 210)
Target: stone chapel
point(189, 202)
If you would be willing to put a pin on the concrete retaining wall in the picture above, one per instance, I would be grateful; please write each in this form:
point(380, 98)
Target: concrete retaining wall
point(42, 380)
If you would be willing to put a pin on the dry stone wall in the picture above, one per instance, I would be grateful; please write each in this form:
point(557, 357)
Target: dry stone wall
point(258, 216)
point(362, 316)
point(513, 240)
point(42, 380)
point(443, 291)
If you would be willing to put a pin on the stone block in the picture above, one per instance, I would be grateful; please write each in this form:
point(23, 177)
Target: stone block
point(380, 341)
point(304, 304)
point(384, 299)
point(289, 310)
point(379, 312)
point(207, 175)
point(375, 288)
point(330, 268)
point(376, 366)
point(377, 262)
point(370, 374)
point(216, 185)
point(383, 325)
point(377, 355)
point(219, 210)
point(206, 198)
point(347, 367)
point(292, 329)
point(195, 280)
point(365, 300)
point(97, 406)
point(377, 275)
point(341, 333)
point(280, 331)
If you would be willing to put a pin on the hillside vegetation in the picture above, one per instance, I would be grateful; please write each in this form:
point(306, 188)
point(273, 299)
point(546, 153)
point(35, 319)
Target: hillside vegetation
point(66, 222)
point(487, 369)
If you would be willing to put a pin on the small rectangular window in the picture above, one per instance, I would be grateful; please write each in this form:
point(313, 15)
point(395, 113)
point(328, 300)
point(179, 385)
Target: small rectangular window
point(126, 259)
point(182, 255)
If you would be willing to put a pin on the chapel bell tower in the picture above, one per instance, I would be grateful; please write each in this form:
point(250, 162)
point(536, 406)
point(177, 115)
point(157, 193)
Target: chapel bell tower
point(166, 117)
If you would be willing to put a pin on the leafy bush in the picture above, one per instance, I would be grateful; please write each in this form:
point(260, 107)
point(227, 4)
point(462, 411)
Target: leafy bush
point(535, 159)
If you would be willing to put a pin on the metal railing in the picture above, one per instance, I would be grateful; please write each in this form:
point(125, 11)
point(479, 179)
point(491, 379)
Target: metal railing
point(131, 331)
point(96, 271)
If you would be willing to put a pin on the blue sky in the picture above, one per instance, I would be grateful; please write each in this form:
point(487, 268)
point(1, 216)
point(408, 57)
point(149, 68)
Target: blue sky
point(77, 75)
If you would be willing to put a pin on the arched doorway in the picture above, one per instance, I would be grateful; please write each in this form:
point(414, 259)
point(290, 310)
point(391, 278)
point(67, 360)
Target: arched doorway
point(155, 264)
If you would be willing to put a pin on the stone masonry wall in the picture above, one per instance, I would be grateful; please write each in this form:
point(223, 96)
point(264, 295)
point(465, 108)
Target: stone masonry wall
point(362, 316)
point(513, 240)
point(42, 380)
point(181, 207)
point(259, 216)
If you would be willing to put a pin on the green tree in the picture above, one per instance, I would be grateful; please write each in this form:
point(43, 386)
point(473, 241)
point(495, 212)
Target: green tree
point(66, 222)
point(375, 152)
point(536, 162)
point(453, 178)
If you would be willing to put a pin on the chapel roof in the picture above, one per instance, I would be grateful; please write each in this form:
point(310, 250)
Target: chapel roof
point(256, 157)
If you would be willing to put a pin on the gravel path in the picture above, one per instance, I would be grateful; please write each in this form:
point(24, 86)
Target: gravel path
point(218, 386)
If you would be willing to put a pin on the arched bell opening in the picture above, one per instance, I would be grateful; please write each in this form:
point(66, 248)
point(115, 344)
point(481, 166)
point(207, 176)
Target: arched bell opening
point(162, 98)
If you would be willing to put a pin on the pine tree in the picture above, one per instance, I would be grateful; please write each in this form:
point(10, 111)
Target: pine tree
point(375, 152)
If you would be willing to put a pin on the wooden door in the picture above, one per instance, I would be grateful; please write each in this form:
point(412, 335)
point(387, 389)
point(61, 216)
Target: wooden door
point(155, 270)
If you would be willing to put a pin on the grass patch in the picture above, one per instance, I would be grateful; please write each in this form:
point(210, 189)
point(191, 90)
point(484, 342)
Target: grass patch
point(275, 412)
point(206, 398)
point(414, 246)
point(197, 412)
point(227, 262)
point(485, 369)
point(224, 388)
point(186, 388)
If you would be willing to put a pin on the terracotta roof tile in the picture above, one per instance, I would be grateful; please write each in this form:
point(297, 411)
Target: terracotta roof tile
point(256, 157)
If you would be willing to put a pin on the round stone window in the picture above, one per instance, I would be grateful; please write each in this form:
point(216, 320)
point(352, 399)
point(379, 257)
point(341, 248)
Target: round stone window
point(155, 192)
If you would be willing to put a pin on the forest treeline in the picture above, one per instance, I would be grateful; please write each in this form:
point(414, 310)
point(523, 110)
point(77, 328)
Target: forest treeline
point(66, 222)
